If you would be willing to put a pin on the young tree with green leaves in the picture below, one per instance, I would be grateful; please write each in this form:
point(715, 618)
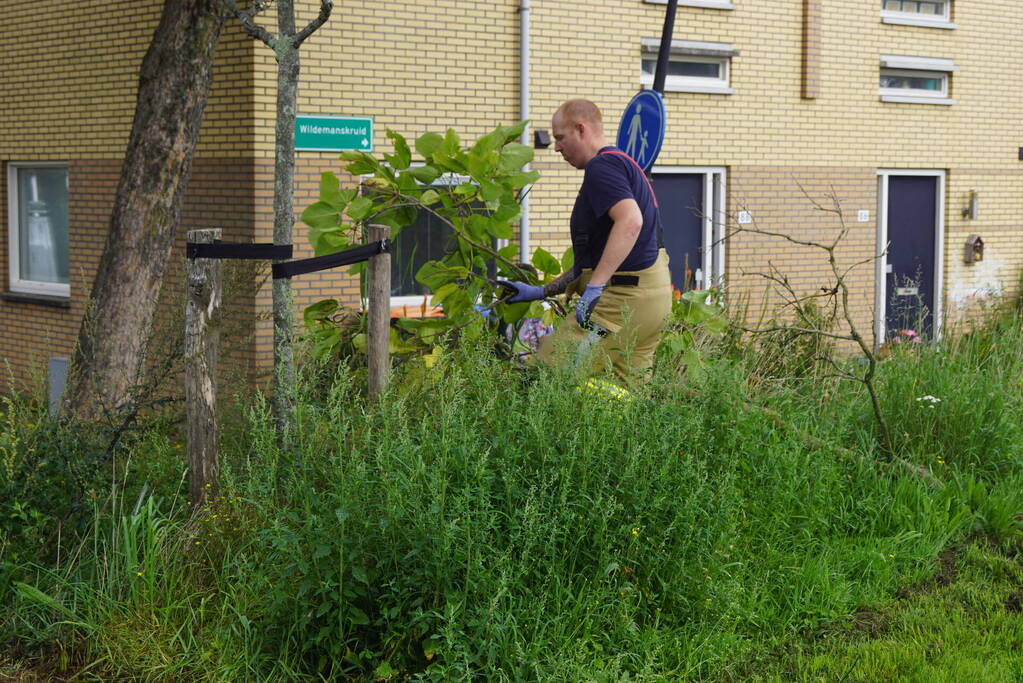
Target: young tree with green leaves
point(479, 200)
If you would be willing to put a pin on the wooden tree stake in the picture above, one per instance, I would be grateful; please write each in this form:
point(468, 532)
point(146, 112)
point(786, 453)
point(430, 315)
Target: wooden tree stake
point(202, 339)
point(378, 318)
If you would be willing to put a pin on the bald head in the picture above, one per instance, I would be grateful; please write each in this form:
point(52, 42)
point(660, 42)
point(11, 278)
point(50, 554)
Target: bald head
point(578, 131)
point(581, 111)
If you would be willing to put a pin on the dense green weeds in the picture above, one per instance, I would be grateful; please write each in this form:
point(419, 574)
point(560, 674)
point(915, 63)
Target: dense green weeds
point(487, 524)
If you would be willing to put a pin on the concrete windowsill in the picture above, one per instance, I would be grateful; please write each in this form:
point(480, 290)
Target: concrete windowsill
point(946, 101)
point(39, 299)
point(923, 23)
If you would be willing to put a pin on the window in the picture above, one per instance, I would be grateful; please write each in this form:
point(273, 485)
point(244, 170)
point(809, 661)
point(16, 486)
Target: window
point(692, 66)
point(428, 238)
point(916, 80)
point(38, 228)
point(930, 13)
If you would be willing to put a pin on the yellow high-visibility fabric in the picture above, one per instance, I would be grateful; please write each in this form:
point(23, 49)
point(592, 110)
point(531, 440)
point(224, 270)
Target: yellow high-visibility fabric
point(635, 317)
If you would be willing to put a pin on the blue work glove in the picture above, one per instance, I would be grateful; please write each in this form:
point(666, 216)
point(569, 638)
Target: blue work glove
point(523, 291)
point(587, 302)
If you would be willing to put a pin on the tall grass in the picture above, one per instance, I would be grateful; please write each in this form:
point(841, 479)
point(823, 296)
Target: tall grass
point(484, 524)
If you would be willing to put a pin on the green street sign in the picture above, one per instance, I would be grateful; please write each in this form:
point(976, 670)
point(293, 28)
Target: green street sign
point(333, 133)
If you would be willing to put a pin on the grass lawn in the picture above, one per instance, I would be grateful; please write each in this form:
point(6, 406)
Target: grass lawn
point(484, 524)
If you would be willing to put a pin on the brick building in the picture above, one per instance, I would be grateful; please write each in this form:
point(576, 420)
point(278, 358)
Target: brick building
point(898, 108)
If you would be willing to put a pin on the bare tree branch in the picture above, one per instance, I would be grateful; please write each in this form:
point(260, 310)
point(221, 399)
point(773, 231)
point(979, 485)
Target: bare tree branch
point(800, 330)
point(251, 27)
point(840, 295)
point(326, 6)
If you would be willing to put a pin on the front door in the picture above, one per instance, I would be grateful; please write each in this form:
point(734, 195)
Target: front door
point(681, 198)
point(911, 266)
point(692, 204)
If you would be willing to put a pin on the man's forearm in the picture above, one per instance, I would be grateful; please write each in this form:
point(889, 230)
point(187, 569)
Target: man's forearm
point(561, 283)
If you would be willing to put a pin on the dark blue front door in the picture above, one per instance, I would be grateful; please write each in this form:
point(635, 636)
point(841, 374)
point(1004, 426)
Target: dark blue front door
point(912, 230)
point(681, 200)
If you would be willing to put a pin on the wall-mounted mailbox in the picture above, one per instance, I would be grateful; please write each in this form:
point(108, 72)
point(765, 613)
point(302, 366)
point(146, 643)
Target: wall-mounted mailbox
point(974, 249)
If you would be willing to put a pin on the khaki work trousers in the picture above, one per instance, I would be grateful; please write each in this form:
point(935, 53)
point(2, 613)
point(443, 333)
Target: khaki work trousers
point(635, 316)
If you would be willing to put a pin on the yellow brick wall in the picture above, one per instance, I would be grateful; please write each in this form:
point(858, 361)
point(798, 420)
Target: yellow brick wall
point(70, 95)
point(418, 67)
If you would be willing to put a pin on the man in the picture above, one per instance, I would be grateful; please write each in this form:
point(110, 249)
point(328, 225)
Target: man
point(620, 268)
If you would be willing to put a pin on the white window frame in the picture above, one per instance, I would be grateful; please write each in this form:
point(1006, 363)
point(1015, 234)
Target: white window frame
point(15, 282)
point(918, 19)
point(692, 51)
point(715, 220)
point(881, 267)
point(708, 4)
point(919, 67)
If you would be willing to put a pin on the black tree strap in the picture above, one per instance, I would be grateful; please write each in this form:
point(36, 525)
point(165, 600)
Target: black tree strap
point(343, 258)
point(234, 250)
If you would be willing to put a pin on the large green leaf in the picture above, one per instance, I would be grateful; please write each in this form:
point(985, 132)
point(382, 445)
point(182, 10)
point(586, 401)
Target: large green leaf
point(443, 292)
point(519, 180)
point(501, 228)
point(321, 215)
point(567, 260)
point(513, 132)
point(457, 303)
point(433, 274)
point(328, 240)
point(326, 338)
point(423, 326)
point(490, 142)
point(319, 311)
point(399, 346)
point(360, 163)
point(425, 174)
point(477, 225)
point(330, 190)
point(402, 157)
point(509, 252)
point(512, 313)
point(361, 208)
point(514, 156)
point(491, 194)
point(545, 263)
point(509, 210)
point(427, 144)
point(482, 165)
point(407, 183)
point(451, 144)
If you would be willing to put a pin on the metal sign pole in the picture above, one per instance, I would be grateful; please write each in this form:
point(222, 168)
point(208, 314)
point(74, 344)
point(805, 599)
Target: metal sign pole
point(665, 51)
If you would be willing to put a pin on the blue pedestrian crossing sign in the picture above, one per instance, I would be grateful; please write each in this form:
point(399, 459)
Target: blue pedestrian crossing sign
point(641, 132)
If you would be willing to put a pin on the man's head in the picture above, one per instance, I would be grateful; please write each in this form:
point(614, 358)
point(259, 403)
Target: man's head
point(578, 131)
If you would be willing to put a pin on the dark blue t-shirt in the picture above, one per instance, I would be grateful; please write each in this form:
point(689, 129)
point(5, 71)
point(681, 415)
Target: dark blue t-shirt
point(608, 178)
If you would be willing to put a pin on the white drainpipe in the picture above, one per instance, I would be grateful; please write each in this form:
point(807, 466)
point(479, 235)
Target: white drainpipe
point(524, 114)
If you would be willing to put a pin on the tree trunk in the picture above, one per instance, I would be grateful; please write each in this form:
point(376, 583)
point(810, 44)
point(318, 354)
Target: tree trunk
point(288, 68)
point(109, 360)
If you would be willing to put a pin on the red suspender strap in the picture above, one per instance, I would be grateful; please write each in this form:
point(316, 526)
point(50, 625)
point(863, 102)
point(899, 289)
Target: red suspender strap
point(633, 162)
